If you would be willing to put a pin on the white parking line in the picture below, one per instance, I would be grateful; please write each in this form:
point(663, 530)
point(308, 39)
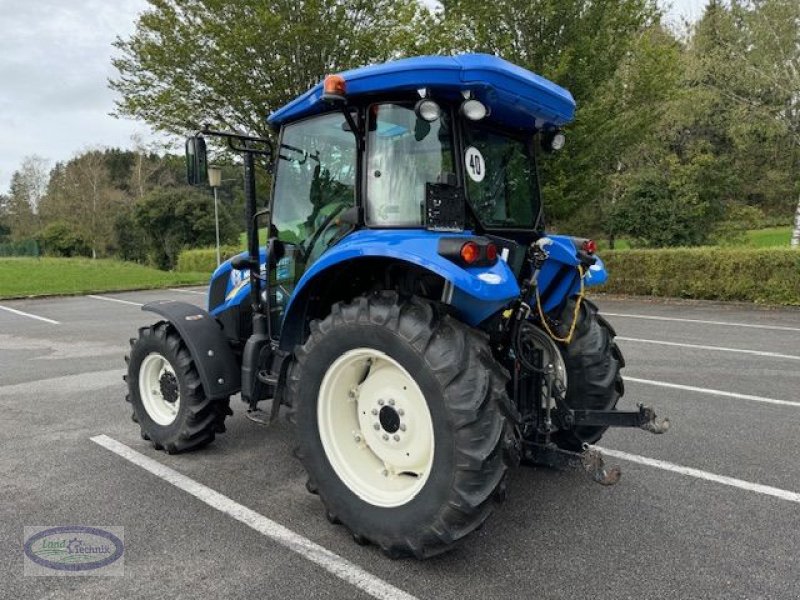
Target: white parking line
point(107, 299)
point(758, 488)
point(195, 292)
point(701, 321)
point(29, 315)
point(333, 563)
point(717, 348)
point(713, 392)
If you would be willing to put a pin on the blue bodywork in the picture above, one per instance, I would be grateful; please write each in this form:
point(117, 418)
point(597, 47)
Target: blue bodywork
point(478, 292)
point(516, 97)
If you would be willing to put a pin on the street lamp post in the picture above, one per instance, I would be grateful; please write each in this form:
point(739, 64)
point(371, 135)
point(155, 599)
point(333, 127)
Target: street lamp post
point(215, 180)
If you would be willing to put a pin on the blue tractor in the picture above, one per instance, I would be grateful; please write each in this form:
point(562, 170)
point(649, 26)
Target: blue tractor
point(408, 309)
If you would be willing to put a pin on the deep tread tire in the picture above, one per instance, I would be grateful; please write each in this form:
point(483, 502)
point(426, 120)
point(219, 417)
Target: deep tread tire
point(199, 418)
point(593, 361)
point(475, 439)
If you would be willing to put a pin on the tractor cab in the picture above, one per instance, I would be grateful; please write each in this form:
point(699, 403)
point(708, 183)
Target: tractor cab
point(427, 144)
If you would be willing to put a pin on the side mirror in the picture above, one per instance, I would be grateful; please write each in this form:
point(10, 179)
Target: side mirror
point(196, 161)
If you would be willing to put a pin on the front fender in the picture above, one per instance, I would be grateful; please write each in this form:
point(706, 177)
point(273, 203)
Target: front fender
point(478, 292)
point(216, 365)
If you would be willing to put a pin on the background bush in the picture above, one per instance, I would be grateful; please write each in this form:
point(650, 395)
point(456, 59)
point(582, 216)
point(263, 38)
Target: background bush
point(204, 260)
point(764, 275)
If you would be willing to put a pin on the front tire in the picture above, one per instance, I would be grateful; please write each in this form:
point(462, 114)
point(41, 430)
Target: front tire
point(403, 423)
point(168, 399)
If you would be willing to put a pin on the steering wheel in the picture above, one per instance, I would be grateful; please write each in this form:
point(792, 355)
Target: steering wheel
point(322, 228)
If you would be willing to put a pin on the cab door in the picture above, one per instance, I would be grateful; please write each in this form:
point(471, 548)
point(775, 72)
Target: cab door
point(315, 183)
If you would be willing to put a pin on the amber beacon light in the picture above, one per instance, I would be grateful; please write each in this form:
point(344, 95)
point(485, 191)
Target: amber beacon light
point(333, 88)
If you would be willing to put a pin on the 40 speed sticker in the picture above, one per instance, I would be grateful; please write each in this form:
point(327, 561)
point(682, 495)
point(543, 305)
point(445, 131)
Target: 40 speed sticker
point(476, 167)
point(74, 550)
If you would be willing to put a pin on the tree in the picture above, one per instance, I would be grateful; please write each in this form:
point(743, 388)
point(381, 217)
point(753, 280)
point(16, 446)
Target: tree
point(176, 218)
point(755, 66)
point(580, 45)
point(81, 194)
point(232, 62)
point(28, 187)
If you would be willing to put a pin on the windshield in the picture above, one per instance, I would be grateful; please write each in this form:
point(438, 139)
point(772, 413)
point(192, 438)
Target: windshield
point(501, 179)
point(404, 154)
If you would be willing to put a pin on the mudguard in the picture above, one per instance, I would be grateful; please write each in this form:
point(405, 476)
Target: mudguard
point(558, 279)
point(213, 357)
point(478, 292)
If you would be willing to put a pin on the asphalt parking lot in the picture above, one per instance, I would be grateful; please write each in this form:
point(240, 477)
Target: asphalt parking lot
point(709, 510)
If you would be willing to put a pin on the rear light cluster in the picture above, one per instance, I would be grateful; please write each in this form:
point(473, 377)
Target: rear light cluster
point(589, 246)
point(469, 252)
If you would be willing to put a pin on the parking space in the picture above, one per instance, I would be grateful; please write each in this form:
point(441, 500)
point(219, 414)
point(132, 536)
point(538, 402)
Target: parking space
point(659, 533)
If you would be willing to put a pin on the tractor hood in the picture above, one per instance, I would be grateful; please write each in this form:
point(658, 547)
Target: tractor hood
point(516, 97)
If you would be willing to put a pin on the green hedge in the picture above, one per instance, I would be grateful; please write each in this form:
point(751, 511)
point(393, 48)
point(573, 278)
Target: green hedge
point(204, 260)
point(764, 275)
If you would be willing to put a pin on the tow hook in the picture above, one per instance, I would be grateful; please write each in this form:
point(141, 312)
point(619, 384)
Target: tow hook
point(595, 466)
point(651, 422)
point(590, 461)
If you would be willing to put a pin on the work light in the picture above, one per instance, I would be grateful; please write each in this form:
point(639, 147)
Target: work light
point(474, 110)
point(428, 110)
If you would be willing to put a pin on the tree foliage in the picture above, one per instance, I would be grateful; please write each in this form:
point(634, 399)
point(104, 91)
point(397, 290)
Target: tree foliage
point(172, 219)
point(233, 62)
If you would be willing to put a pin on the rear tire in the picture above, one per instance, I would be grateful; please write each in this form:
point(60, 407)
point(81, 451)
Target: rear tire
point(464, 418)
point(593, 362)
point(168, 399)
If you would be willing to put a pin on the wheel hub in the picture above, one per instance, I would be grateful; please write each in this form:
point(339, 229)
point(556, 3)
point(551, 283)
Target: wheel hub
point(168, 384)
point(389, 419)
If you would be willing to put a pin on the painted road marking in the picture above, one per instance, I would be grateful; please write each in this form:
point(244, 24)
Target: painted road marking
point(701, 321)
point(758, 488)
point(717, 348)
point(333, 563)
point(203, 293)
point(29, 315)
point(108, 299)
point(713, 392)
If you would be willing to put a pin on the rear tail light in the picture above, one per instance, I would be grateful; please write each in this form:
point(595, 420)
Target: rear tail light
point(474, 251)
point(589, 246)
point(470, 253)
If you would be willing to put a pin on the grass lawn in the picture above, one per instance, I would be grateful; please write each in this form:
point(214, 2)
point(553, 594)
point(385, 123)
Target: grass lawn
point(62, 276)
point(262, 238)
point(770, 237)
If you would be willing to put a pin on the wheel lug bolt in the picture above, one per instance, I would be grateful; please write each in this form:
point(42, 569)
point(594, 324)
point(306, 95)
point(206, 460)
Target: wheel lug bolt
point(401, 412)
point(402, 426)
point(357, 438)
point(385, 436)
point(391, 401)
point(377, 426)
point(385, 473)
point(374, 411)
point(380, 402)
point(396, 437)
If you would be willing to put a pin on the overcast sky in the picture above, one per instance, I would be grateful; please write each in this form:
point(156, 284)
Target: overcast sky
point(55, 61)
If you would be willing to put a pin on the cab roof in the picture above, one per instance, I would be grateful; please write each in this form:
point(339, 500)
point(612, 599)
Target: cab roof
point(516, 97)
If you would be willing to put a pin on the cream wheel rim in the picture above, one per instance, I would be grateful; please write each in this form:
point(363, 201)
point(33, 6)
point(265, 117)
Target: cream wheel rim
point(159, 389)
point(375, 427)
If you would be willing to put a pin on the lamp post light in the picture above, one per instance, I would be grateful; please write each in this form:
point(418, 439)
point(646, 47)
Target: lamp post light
point(215, 180)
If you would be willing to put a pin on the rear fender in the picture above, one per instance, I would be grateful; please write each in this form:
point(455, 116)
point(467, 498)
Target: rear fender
point(558, 278)
point(215, 362)
point(475, 293)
